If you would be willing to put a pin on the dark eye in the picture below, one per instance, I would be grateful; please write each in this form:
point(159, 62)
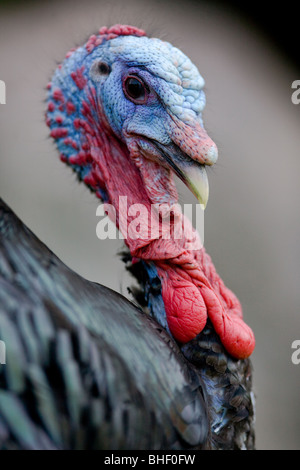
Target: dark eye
point(103, 68)
point(135, 90)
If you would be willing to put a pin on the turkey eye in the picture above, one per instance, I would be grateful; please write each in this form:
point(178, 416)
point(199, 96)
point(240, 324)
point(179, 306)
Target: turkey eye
point(135, 90)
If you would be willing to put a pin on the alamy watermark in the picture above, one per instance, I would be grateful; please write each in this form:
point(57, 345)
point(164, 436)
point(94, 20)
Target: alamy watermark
point(159, 221)
point(2, 92)
point(2, 353)
point(296, 354)
point(296, 94)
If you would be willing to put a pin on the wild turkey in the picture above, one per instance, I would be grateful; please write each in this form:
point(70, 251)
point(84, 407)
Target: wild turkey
point(85, 368)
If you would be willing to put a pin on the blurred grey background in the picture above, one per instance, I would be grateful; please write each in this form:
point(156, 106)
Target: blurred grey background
point(252, 228)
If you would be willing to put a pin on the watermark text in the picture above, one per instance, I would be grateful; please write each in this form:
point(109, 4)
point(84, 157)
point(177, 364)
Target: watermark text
point(296, 94)
point(156, 221)
point(296, 354)
point(2, 353)
point(2, 92)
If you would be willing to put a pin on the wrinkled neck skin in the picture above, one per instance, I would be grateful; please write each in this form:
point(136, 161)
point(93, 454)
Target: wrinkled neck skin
point(192, 291)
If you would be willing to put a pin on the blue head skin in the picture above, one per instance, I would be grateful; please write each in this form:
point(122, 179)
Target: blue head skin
point(146, 93)
point(169, 82)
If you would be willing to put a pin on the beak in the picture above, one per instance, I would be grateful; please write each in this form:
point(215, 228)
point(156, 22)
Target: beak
point(195, 177)
point(191, 172)
point(188, 154)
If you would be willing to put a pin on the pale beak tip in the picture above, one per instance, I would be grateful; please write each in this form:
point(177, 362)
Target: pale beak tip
point(198, 184)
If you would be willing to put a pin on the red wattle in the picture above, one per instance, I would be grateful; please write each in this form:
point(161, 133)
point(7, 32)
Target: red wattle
point(192, 291)
point(185, 308)
point(235, 335)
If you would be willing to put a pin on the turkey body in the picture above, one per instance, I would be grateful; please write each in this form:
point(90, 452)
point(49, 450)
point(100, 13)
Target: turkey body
point(87, 369)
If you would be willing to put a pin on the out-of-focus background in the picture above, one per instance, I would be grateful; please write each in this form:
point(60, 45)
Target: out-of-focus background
point(252, 227)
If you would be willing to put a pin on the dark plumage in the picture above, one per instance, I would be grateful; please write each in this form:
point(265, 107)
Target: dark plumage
point(87, 369)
